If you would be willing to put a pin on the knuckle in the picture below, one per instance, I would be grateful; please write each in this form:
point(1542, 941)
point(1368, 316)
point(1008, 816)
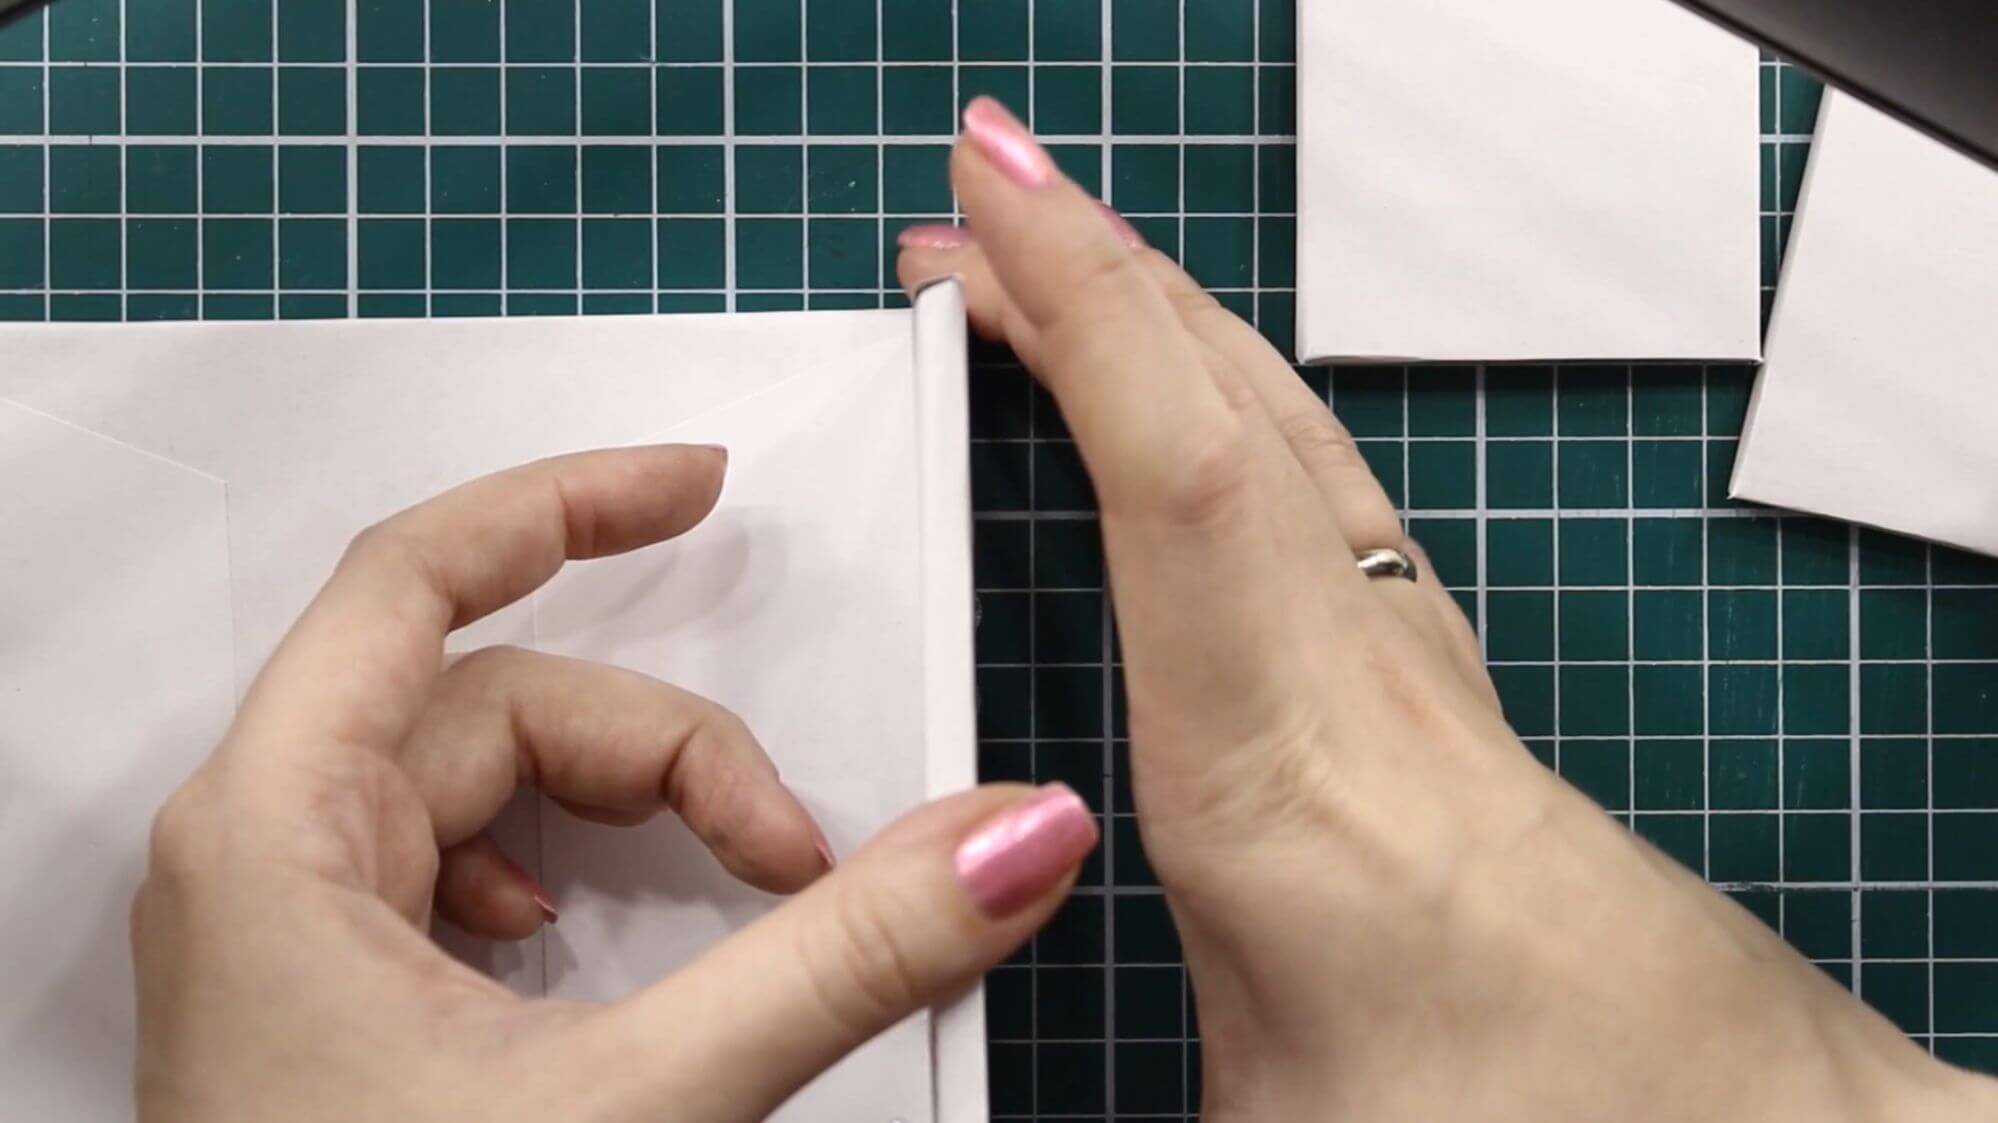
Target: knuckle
point(1317, 437)
point(707, 732)
point(1104, 278)
point(177, 842)
point(1237, 391)
point(579, 525)
point(488, 663)
point(708, 786)
point(389, 545)
point(376, 539)
point(1207, 480)
point(1333, 461)
point(1074, 350)
point(480, 690)
point(1189, 299)
point(1103, 289)
point(718, 723)
point(862, 972)
point(1193, 303)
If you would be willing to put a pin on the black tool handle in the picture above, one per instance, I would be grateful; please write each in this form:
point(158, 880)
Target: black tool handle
point(1932, 63)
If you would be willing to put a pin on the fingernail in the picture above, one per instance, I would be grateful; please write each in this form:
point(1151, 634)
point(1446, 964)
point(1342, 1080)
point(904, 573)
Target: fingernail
point(718, 450)
point(1005, 141)
point(535, 891)
point(1008, 863)
point(541, 900)
point(1126, 233)
point(825, 848)
point(934, 237)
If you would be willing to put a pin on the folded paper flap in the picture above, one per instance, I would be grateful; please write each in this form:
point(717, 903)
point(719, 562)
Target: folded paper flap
point(165, 461)
point(340, 384)
point(942, 415)
point(153, 542)
point(949, 699)
point(115, 603)
point(403, 412)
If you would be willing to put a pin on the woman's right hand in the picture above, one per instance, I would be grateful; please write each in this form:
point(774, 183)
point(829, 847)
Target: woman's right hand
point(1389, 909)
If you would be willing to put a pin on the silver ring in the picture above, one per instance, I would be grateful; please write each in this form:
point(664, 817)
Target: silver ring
point(1389, 563)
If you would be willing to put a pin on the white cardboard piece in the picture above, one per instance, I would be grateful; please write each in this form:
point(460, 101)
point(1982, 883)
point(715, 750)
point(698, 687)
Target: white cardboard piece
point(1527, 180)
point(172, 495)
point(1879, 400)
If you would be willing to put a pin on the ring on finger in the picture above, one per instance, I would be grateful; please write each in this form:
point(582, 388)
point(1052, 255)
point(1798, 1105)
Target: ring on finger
point(1387, 562)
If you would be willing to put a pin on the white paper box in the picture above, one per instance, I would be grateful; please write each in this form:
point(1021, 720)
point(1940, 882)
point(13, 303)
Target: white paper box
point(1879, 400)
point(1524, 180)
point(172, 495)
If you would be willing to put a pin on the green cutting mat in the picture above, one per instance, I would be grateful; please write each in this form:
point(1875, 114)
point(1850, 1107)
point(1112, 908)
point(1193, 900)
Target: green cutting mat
point(1805, 714)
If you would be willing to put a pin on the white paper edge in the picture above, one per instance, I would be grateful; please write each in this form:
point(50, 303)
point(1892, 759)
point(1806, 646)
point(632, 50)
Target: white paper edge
point(1742, 485)
point(1738, 483)
point(1502, 359)
point(957, 1030)
point(1300, 276)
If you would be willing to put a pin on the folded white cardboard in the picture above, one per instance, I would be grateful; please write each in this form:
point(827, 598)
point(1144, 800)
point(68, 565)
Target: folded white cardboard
point(1526, 179)
point(1879, 399)
point(173, 494)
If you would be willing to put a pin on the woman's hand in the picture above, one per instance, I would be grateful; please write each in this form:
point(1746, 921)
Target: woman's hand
point(1389, 909)
point(284, 969)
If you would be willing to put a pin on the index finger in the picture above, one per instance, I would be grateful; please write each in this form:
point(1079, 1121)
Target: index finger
point(1214, 542)
point(1147, 416)
point(356, 669)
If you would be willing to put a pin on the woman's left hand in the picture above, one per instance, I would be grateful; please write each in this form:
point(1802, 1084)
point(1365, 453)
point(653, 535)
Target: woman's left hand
point(284, 970)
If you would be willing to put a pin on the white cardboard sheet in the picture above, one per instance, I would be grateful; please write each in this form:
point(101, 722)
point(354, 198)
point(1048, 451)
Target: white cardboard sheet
point(174, 494)
point(1879, 400)
point(1524, 180)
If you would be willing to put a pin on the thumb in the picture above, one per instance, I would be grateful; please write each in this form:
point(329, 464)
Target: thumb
point(924, 910)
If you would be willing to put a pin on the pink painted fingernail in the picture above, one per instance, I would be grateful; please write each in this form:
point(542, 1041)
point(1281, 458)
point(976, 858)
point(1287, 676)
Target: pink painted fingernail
point(824, 847)
point(1126, 233)
point(934, 237)
point(1005, 141)
point(1011, 861)
point(542, 902)
point(535, 891)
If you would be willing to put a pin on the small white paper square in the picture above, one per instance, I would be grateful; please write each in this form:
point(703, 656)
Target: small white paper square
point(1879, 400)
point(1525, 180)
